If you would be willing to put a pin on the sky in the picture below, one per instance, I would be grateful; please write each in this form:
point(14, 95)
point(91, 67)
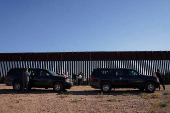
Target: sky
point(84, 25)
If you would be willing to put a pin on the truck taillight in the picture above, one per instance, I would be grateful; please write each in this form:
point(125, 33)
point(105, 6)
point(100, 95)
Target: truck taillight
point(91, 78)
point(5, 77)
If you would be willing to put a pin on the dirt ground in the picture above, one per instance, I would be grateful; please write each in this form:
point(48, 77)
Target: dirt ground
point(84, 99)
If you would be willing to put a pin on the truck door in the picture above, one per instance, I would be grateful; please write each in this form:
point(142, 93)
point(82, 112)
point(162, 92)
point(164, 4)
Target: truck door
point(42, 79)
point(134, 79)
point(33, 74)
point(120, 79)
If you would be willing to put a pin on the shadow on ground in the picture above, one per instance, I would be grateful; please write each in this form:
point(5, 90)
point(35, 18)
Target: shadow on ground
point(98, 92)
point(85, 92)
point(32, 91)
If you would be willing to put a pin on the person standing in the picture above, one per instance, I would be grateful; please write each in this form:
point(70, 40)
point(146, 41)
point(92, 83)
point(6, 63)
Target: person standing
point(25, 80)
point(80, 79)
point(161, 78)
point(84, 79)
point(74, 78)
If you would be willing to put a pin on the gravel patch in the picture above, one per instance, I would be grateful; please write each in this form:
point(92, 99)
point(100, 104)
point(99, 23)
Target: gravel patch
point(82, 99)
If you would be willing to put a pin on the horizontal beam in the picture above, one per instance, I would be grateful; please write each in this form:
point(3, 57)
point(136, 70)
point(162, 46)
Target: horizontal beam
point(86, 56)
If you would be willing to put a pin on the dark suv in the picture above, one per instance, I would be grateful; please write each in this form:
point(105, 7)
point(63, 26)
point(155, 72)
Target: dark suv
point(106, 79)
point(41, 78)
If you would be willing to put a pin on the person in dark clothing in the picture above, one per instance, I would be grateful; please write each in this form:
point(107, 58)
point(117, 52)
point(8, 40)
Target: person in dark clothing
point(25, 79)
point(161, 78)
point(74, 78)
point(80, 79)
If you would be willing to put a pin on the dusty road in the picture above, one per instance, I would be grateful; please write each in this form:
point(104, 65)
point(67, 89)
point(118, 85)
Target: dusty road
point(83, 99)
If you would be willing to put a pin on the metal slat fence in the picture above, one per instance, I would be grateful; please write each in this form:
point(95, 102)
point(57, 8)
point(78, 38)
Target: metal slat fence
point(75, 62)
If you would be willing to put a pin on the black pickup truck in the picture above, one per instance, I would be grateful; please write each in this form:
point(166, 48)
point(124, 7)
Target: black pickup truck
point(40, 78)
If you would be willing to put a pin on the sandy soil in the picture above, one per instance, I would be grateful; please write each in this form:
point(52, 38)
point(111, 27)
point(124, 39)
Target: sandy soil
point(83, 99)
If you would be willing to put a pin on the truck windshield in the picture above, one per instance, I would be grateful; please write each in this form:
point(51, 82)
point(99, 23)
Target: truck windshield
point(52, 73)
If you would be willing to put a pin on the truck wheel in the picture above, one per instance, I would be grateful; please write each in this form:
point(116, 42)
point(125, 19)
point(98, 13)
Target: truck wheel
point(17, 86)
point(58, 87)
point(150, 87)
point(105, 87)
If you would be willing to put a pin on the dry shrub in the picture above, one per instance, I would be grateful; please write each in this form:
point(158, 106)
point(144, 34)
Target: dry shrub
point(76, 100)
point(126, 94)
point(169, 99)
point(155, 104)
point(120, 100)
point(162, 104)
point(100, 95)
point(112, 100)
point(155, 111)
point(62, 96)
point(167, 93)
point(159, 104)
point(145, 96)
point(155, 95)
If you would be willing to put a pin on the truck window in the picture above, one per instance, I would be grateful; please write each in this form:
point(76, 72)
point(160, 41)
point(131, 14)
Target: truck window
point(119, 72)
point(32, 72)
point(43, 73)
point(106, 72)
point(132, 73)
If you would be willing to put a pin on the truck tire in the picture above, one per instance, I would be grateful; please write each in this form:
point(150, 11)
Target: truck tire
point(150, 87)
point(106, 87)
point(17, 86)
point(58, 87)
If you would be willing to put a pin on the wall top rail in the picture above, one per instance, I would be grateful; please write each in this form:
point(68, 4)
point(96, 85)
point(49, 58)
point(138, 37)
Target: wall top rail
point(86, 56)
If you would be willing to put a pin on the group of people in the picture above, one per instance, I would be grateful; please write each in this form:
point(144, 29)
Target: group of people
point(79, 79)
